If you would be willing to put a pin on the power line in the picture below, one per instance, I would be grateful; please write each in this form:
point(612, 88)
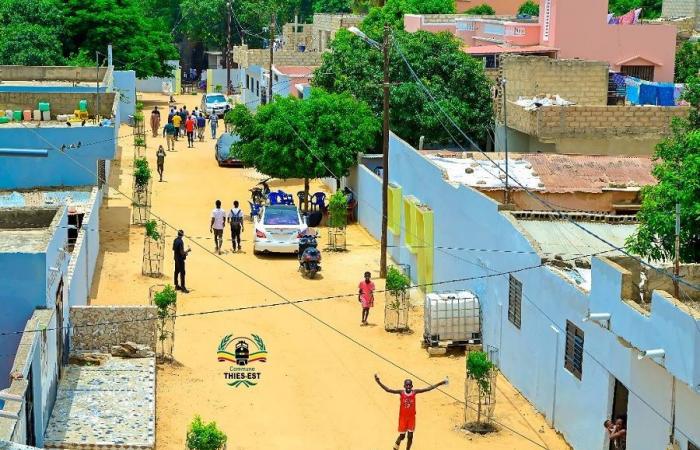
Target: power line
point(525, 189)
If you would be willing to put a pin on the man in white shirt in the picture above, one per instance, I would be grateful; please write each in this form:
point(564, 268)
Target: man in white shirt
point(235, 219)
point(218, 220)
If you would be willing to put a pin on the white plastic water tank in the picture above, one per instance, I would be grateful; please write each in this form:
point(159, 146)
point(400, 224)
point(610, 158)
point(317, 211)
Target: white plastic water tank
point(452, 316)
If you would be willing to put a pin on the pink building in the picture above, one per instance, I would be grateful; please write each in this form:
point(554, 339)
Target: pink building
point(567, 29)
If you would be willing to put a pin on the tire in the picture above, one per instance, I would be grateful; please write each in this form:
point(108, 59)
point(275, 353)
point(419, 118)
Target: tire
point(312, 274)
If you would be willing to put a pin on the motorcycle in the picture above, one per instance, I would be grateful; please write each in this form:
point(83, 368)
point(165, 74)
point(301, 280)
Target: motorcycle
point(259, 194)
point(309, 256)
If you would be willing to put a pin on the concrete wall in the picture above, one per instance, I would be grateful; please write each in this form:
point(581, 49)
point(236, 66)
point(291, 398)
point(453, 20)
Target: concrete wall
point(125, 87)
point(679, 8)
point(57, 169)
point(61, 103)
point(532, 357)
point(246, 57)
point(81, 266)
point(50, 73)
point(582, 82)
point(155, 84)
point(36, 358)
point(100, 327)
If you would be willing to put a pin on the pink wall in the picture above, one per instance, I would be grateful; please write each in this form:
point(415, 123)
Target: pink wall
point(502, 7)
point(613, 43)
point(414, 22)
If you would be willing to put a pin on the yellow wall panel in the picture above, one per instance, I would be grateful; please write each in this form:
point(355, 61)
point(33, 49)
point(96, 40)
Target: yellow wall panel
point(394, 209)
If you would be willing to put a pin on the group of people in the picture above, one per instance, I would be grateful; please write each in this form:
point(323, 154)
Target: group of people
point(182, 122)
point(219, 218)
point(617, 432)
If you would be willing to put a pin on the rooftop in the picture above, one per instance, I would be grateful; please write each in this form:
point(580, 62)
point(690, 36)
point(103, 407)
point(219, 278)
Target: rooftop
point(547, 172)
point(296, 71)
point(77, 198)
point(106, 406)
point(26, 230)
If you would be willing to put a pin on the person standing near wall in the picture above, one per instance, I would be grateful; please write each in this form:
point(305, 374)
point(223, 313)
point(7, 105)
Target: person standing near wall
point(180, 254)
point(155, 121)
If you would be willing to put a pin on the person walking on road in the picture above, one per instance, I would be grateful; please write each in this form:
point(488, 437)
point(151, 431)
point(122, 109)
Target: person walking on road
point(169, 132)
point(366, 296)
point(235, 220)
point(218, 220)
point(171, 114)
point(176, 123)
point(183, 117)
point(155, 121)
point(180, 254)
point(189, 128)
point(213, 123)
point(407, 408)
point(160, 161)
point(201, 126)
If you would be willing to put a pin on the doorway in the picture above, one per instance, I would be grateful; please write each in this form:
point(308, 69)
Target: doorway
point(29, 410)
point(59, 327)
point(619, 404)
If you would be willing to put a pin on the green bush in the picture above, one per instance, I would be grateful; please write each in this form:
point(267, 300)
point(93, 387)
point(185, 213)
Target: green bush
point(218, 88)
point(338, 210)
point(396, 281)
point(203, 436)
point(142, 173)
point(152, 230)
point(139, 141)
point(165, 298)
point(139, 106)
point(479, 368)
point(481, 10)
point(530, 8)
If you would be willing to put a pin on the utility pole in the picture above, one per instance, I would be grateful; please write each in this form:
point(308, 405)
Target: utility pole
point(272, 39)
point(97, 93)
point(228, 48)
point(505, 140)
point(385, 154)
point(677, 257)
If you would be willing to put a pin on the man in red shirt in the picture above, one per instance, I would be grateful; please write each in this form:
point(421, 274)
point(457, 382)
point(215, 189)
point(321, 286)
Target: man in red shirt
point(366, 296)
point(189, 128)
point(407, 408)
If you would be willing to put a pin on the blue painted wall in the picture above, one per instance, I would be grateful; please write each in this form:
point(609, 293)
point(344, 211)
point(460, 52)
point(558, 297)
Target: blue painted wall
point(57, 169)
point(532, 357)
point(125, 86)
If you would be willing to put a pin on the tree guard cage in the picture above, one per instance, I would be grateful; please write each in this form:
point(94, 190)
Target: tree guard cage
point(139, 136)
point(396, 308)
point(154, 253)
point(480, 397)
point(336, 239)
point(165, 325)
point(141, 202)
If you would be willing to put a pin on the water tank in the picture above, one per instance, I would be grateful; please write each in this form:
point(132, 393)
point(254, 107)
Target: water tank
point(452, 318)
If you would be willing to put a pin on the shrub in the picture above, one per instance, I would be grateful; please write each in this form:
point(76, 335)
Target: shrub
point(478, 368)
point(530, 8)
point(165, 298)
point(139, 106)
point(338, 210)
point(218, 88)
point(396, 285)
point(152, 230)
point(139, 141)
point(481, 10)
point(142, 173)
point(203, 436)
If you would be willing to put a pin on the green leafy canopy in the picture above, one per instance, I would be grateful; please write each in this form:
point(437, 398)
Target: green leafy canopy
point(677, 170)
point(205, 436)
point(481, 10)
point(530, 8)
point(455, 79)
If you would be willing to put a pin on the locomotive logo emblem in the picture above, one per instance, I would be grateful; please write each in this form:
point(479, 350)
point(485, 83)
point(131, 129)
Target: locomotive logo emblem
point(246, 351)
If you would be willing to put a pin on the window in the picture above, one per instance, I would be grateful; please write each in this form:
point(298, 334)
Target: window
point(641, 72)
point(491, 61)
point(515, 298)
point(573, 354)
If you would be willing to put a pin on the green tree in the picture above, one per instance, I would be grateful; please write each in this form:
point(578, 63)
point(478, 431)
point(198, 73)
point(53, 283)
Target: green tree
point(651, 9)
point(393, 11)
point(32, 31)
point(331, 6)
point(205, 436)
point(481, 10)
point(530, 8)
point(313, 138)
point(687, 61)
point(677, 170)
point(456, 80)
point(140, 42)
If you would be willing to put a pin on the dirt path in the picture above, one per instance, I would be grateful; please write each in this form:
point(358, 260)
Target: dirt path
point(316, 389)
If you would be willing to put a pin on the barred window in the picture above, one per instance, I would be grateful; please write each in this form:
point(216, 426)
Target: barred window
point(515, 297)
point(573, 357)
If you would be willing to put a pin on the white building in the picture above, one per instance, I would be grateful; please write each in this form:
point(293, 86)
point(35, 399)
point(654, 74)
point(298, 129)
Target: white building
point(539, 278)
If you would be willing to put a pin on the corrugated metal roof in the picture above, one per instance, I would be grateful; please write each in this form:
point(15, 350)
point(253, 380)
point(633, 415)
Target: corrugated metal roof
point(560, 237)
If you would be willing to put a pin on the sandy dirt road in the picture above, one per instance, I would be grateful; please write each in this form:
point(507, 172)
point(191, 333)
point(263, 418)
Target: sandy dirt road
point(316, 389)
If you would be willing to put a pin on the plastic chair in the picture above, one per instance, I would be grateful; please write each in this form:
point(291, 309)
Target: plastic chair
point(254, 209)
point(275, 198)
point(318, 201)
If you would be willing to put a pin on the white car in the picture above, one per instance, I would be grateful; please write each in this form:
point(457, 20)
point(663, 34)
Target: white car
point(278, 229)
point(214, 103)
